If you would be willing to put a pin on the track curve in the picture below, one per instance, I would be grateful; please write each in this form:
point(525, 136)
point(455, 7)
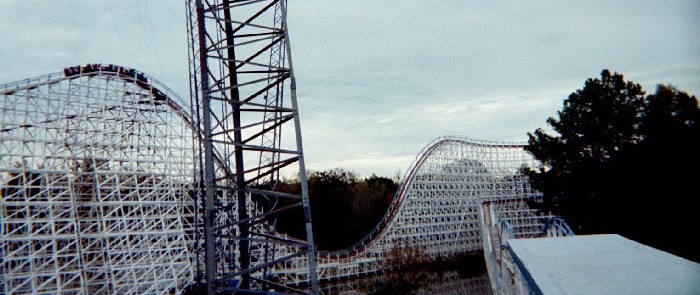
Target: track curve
point(436, 212)
point(96, 165)
point(406, 185)
point(159, 91)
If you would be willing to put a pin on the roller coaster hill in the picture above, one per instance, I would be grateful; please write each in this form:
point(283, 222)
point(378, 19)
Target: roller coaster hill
point(96, 167)
point(127, 73)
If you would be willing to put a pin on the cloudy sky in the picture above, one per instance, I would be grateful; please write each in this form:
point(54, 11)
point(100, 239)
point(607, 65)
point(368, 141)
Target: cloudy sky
point(378, 80)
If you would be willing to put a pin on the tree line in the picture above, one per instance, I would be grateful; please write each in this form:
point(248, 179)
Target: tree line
point(623, 162)
point(344, 207)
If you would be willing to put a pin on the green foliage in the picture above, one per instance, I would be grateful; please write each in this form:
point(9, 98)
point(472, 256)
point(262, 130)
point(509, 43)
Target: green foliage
point(620, 162)
point(344, 208)
point(596, 123)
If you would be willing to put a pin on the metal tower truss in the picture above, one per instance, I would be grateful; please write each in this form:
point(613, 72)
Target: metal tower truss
point(240, 62)
point(96, 171)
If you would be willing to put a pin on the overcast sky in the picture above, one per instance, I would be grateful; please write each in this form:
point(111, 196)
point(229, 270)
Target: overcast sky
point(378, 80)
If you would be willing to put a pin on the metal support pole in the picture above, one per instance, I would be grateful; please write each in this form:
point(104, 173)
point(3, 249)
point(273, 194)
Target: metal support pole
point(243, 244)
point(313, 276)
point(209, 210)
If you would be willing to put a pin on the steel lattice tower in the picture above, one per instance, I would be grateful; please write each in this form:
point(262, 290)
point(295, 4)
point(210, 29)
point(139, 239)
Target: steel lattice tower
point(240, 61)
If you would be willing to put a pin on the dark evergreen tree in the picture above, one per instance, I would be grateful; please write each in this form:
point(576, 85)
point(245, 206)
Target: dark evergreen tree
point(620, 162)
point(344, 208)
point(596, 123)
